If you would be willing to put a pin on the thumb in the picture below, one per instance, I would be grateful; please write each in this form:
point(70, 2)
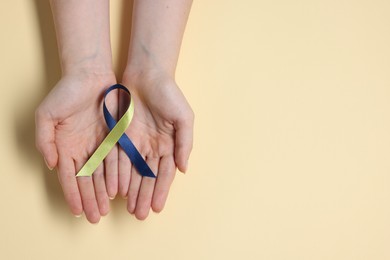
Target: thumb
point(45, 139)
point(183, 143)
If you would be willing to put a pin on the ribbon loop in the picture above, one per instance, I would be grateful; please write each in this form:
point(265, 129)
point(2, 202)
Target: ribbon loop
point(117, 134)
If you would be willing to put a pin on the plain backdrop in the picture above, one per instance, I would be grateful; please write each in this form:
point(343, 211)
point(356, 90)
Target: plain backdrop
point(292, 137)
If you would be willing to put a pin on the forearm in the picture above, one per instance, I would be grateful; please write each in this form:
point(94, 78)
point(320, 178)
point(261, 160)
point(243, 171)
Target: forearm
point(158, 27)
point(82, 28)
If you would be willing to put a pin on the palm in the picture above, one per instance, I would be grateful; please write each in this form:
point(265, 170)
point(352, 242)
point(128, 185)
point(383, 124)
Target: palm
point(77, 119)
point(151, 129)
point(79, 132)
point(73, 112)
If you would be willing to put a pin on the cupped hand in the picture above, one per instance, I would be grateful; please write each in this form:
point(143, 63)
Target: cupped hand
point(69, 127)
point(162, 131)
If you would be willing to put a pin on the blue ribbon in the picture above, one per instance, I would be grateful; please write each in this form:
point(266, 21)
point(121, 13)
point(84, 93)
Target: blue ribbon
point(124, 141)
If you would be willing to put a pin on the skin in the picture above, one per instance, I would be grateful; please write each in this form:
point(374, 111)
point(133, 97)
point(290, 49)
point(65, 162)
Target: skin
point(162, 127)
point(70, 122)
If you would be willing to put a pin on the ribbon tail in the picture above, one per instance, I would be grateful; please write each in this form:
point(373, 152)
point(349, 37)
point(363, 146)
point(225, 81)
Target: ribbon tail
point(135, 157)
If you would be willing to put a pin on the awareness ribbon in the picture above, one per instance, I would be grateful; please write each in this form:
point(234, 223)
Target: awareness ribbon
point(116, 134)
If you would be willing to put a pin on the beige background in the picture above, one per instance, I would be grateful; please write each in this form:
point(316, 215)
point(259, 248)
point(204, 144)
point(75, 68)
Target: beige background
point(291, 159)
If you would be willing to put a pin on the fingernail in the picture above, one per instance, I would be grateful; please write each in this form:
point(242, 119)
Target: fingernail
point(47, 164)
point(111, 198)
point(78, 216)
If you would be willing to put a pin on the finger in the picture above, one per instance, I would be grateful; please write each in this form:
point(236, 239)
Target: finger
point(183, 142)
point(111, 172)
point(88, 197)
point(45, 139)
point(166, 174)
point(124, 173)
point(101, 191)
point(132, 195)
point(145, 195)
point(67, 179)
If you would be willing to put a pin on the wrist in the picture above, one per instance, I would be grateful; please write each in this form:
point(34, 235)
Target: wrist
point(144, 60)
point(141, 76)
point(87, 66)
point(92, 77)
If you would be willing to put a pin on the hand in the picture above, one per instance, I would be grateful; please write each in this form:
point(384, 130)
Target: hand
point(70, 126)
point(162, 131)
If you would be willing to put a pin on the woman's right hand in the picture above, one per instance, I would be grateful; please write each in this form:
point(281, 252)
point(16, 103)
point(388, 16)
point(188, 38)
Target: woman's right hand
point(69, 127)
